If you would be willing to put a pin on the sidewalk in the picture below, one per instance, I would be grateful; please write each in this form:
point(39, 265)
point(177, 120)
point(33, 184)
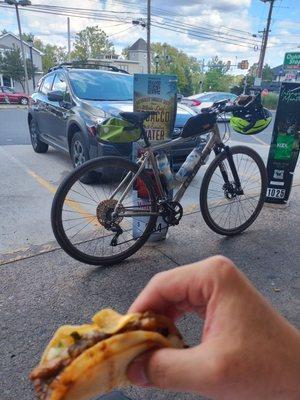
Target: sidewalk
point(41, 292)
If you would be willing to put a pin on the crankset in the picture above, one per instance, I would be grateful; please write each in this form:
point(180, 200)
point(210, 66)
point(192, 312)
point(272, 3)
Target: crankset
point(172, 212)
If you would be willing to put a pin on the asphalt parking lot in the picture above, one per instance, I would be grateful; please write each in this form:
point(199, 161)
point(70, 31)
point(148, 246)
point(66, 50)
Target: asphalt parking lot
point(42, 288)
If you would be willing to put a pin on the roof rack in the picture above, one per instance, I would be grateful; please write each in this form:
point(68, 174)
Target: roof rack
point(87, 65)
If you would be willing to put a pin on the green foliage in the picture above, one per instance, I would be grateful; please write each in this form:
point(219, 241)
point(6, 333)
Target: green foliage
point(270, 101)
point(216, 64)
point(52, 55)
point(174, 61)
point(125, 52)
point(267, 74)
point(11, 64)
point(91, 42)
point(28, 37)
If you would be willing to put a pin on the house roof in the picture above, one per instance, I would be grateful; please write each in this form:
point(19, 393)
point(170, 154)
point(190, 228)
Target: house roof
point(278, 70)
point(16, 37)
point(139, 45)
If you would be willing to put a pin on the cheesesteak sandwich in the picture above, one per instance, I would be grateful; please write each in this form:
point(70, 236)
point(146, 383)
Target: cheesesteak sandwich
point(85, 361)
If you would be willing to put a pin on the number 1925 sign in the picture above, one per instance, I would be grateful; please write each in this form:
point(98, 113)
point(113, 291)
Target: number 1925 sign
point(284, 150)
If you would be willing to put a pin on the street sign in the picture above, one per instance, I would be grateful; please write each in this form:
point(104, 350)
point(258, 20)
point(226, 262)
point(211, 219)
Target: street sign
point(292, 60)
point(285, 143)
point(257, 81)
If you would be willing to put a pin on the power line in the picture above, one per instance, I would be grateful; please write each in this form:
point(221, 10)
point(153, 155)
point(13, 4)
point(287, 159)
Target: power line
point(170, 25)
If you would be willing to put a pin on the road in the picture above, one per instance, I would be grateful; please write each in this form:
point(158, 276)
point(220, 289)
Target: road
point(42, 288)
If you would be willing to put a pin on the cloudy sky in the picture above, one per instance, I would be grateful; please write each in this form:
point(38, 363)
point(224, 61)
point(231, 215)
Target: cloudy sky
point(230, 23)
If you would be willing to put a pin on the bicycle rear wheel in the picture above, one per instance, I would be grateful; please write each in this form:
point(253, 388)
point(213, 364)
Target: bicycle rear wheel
point(225, 211)
point(84, 217)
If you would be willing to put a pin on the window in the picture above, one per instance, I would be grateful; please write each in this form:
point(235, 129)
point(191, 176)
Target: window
point(8, 90)
point(47, 84)
point(101, 85)
point(60, 84)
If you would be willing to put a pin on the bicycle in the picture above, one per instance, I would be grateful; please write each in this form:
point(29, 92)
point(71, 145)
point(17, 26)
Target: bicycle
point(96, 224)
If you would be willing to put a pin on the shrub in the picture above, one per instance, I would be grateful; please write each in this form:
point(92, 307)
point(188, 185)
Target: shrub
point(270, 101)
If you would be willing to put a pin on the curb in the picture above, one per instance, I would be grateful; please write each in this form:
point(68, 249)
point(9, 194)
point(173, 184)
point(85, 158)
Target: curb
point(12, 106)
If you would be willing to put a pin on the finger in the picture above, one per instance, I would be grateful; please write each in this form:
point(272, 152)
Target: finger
point(191, 286)
point(179, 370)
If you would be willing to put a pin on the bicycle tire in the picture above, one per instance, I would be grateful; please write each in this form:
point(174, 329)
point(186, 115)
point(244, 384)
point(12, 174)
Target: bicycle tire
point(60, 196)
point(207, 179)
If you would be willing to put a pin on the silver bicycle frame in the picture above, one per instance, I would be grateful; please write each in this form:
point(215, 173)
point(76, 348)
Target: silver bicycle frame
point(149, 157)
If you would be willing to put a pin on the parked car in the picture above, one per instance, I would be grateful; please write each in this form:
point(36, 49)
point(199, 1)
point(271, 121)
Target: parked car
point(206, 99)
point(69, 103)
point(9, 95)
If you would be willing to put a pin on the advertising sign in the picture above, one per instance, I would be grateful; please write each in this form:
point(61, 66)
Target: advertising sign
point(292, 60)
point(284, 150)
point(157, 93)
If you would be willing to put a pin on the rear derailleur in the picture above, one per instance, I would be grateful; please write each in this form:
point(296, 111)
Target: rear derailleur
point(171, 212)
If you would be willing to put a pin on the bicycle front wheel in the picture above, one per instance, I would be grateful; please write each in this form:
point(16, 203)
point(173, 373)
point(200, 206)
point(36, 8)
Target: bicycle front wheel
point(226, 210)
point(93, 223)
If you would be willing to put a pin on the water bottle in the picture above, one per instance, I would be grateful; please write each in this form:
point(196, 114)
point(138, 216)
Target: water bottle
point(189, 164)
point(164, 168)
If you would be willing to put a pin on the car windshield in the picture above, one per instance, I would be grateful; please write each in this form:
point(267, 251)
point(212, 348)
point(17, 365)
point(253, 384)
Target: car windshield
point(101, 85)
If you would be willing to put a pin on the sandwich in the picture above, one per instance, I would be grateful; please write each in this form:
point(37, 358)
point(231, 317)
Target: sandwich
point(85, 361)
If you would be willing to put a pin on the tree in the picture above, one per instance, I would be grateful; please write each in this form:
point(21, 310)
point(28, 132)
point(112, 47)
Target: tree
point(174, 61)
point(28, 37)
point(11, 64)
point(216, 64)
point(267, 73)
point(52, 55)
point(216, 78)
point(91, 42)
point(125, 52)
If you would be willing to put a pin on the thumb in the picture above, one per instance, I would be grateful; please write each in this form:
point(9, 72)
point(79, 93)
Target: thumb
point(173, 369)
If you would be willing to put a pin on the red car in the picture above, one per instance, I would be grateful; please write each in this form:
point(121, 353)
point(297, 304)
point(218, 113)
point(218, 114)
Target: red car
point(9, 95)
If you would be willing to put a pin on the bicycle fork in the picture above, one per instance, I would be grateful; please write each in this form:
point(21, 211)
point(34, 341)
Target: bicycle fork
point(229, 190)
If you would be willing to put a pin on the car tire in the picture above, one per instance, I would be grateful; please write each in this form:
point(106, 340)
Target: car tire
point(24, 101)
point(37, 144)
point(79, 155)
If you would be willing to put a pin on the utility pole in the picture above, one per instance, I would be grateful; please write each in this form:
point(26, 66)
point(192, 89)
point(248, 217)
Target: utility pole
point(17, 4)
point(69, 40)
point(265, 39)
point(149, 36)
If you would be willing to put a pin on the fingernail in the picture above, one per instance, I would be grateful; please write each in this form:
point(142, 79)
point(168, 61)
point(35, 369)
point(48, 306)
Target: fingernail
point(137, 371)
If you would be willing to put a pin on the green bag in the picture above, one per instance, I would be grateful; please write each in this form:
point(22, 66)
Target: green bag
point(284, 147)
point(117, 130)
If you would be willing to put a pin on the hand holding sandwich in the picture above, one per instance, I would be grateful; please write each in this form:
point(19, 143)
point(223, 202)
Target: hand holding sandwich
point(247, 350)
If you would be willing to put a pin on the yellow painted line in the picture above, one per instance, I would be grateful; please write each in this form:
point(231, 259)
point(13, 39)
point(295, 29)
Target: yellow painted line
point(71, 203)
point(260, 141)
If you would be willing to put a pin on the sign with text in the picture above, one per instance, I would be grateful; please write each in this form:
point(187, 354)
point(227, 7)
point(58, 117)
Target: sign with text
point(292, 60)
point(157, 93)
point(284, 149)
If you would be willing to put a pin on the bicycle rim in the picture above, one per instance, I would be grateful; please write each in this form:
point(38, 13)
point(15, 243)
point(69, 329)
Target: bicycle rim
point(82, 214)
point(229, 214)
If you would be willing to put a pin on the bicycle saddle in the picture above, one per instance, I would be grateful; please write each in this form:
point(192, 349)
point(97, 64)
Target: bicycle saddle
point(137, 118)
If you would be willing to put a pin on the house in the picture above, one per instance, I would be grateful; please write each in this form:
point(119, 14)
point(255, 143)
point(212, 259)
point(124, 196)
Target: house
point(138, 52)
point(136, 62)
point(7, 42)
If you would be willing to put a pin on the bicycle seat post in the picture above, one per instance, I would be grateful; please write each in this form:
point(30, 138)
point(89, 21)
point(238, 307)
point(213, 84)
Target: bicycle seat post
point(144, 134)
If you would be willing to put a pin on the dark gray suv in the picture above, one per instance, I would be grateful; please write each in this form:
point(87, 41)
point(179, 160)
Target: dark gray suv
point(70, 102)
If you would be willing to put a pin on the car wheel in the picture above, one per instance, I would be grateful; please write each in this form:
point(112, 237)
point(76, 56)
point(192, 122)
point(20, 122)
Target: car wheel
point(24, 101)
point(37, 144)
point(79, 155)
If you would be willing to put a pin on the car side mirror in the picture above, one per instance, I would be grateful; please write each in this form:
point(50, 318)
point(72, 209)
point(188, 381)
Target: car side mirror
point(55, 95)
